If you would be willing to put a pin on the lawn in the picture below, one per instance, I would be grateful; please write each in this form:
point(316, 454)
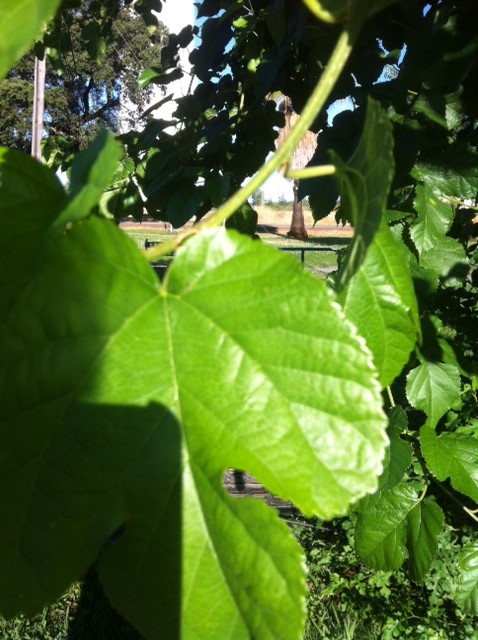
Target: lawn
point(319, 251)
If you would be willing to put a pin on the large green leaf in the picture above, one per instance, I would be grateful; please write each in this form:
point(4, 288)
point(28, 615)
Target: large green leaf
point(364, 182)
point(123, 403)
point(453, 456)
point(433, 220)
point(466, 594)
point(433, 388)
point(424, 524)
point(380, 300)
point(21, 21)
point(381, 530)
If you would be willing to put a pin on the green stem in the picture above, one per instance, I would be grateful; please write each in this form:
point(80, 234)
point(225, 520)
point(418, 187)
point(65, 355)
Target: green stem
point(311, 172)
point(313, 106)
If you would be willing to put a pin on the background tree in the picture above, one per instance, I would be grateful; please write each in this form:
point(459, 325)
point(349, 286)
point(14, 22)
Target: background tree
point(91, 82)
point(300, 157)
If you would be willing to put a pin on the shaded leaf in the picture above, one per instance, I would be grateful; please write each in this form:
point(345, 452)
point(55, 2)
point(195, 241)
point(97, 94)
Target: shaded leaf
point(453, 456)
point(433, 388)
point(453, 173)
point(424, 524)
point(380, 300)
point(399, 454)
point(446, 258)
point(364, 182)
point(466, 594)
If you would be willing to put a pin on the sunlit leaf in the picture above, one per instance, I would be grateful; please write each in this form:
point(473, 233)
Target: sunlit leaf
point(381, 530)
point(452, 456)
point(380, 300)
point(21, 21)
point(433, 221)
point(433, 388)
point(466, 594)
point(123, 403)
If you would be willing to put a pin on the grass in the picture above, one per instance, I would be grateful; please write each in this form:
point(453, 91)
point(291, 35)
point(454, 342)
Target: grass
point(318, 262)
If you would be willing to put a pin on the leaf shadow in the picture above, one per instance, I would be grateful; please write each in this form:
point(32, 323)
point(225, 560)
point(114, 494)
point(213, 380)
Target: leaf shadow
point(151, 510)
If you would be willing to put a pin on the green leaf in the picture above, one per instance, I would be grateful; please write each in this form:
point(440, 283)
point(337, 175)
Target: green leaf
point(364, 183)
point(453, 456)
point(466, 594)
point(433, 388)
point(91, 173)
point(380, 533)
point(148, 76)
point(453, 173)
point(26, 186)
point(433, 221)
point(123, 402)
point(399, 454)
point(446, 258)
point(21, 21)
point(380, 300)
point(424, 524)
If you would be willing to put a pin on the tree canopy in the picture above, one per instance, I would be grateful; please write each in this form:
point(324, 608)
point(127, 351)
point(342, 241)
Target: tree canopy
point(125, 400)
point(91, 81)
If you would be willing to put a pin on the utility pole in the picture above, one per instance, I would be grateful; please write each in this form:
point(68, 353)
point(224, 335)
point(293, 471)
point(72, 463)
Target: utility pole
point(38, 105)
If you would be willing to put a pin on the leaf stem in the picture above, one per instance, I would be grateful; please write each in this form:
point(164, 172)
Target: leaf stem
point(311, 172)
point(313, 106)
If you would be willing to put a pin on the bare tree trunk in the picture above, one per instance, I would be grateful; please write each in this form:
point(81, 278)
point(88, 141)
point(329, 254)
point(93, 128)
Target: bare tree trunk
point(297, 225)
point(38, 106)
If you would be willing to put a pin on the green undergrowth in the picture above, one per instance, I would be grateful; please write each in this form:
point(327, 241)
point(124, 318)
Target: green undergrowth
point(349, 601)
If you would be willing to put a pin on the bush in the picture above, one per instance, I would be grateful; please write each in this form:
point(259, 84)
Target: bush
point(348, 600)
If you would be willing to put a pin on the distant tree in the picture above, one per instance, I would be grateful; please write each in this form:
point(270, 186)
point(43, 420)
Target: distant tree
point(87, 87)
point(258, 198)
point(301, 156)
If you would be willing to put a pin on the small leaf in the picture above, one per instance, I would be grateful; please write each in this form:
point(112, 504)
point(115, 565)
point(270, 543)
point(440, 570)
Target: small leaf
point(433, 221)
point(453, 456)
point(380, 300)
point(433, 388)
point(380, 533)
point(399, 454)
point(466, 594)
point(91, 173)
point(148, 76)
point(21, 21)
point(424, 524)
point(364, 182)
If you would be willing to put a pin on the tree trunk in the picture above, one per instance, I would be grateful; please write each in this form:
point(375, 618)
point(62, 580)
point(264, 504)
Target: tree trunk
point(297, 225)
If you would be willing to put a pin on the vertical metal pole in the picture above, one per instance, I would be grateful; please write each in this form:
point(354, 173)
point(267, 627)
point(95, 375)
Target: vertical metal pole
point(38, 105)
